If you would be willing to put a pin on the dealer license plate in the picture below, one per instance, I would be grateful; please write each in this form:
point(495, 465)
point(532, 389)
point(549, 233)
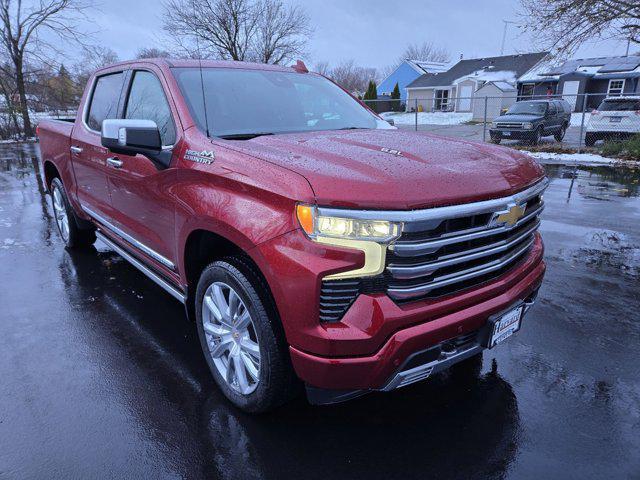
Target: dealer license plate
point(615, 119)
point(506, 326)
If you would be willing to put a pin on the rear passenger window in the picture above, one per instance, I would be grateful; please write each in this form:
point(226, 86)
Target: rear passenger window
point(147, 101)
point(104, 101)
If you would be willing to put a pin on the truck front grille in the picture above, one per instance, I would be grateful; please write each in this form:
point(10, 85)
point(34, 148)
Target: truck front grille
point(510, 125)
point(448, 254)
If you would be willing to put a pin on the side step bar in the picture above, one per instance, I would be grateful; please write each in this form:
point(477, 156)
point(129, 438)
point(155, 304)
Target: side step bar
point(173, 291)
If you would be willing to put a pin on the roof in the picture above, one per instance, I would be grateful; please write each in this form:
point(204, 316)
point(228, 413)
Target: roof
point(194, 63)
point(592, 66)
point(518, 64)
point(503, 86)
point(425, 66)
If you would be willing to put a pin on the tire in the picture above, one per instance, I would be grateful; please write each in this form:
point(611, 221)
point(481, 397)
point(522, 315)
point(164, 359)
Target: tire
point(537, 135)
point(72, 235)
point(589, 140)
point(244, 347)
point(559, 135)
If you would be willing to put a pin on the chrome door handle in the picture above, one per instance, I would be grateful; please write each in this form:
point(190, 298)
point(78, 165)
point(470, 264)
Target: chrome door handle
point(76, 150)
point(114, 162)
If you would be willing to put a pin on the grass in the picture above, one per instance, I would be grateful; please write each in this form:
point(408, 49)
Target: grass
point(628, 149)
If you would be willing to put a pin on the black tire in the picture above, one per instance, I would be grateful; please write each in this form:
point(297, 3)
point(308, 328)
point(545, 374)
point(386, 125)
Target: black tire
point(277, 383)
point(559, 135)
point(537, 136)
point(496, 140)
point(589, 140)
point(72, 235)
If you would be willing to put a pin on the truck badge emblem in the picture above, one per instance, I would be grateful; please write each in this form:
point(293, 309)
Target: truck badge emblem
point(511, 216)
point(205, 156)
point(391, 151)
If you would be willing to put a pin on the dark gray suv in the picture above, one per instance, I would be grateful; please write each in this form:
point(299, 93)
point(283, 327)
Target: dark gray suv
point(530, 120)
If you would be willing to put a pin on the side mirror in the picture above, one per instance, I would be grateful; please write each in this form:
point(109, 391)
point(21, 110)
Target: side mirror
point(391, 122)
point(130, 137)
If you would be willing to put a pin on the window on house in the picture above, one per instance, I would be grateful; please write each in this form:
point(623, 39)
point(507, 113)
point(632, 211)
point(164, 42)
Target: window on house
point(616, 87)
point(441, 100)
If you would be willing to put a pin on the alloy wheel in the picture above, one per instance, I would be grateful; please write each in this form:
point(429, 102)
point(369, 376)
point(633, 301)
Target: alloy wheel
point(60, 212)
point(231, 337)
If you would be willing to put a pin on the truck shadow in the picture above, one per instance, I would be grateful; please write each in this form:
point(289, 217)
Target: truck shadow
point(460, 424)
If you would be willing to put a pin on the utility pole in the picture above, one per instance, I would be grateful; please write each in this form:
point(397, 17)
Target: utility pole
point(628, 43)
point(504, 33)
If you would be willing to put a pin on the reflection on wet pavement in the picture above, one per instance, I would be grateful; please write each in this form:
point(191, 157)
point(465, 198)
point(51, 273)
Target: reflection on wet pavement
point(102, 375)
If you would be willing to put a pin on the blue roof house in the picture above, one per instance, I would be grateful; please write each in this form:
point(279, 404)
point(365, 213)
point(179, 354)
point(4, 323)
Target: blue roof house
point(406, 73)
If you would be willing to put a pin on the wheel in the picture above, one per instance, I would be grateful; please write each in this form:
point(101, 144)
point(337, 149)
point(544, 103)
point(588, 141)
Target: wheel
point(240, 337)
point(496, 140)
point(72, 235)
point(559, 135)
point(537, 135)
point(589, 140)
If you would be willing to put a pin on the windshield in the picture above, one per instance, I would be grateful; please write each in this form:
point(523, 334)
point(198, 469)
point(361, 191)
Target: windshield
point(244, 103)
point(620, 105)
point(527, 108)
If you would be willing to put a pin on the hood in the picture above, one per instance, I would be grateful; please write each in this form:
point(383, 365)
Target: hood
point(518, 118)
point(396, 169)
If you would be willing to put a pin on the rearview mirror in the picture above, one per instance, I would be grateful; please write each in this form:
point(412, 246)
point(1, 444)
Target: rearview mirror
point(130, 137)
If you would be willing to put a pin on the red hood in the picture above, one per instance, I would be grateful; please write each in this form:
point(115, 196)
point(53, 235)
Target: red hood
point(350, 169)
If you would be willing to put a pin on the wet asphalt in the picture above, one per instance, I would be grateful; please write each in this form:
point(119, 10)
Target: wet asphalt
point(101, 376)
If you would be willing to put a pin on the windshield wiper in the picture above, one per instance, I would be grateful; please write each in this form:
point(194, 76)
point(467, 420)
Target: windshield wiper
point(244, 136)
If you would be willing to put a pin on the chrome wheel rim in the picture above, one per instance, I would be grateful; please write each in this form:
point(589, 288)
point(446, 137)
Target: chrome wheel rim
point(231, 336)
point(60, 212)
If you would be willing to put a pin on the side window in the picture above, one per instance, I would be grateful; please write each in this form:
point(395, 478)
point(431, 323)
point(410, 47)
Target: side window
point(104, 100)
point(147, 101)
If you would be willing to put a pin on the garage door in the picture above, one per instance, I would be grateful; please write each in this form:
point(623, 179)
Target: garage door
point(570, 92)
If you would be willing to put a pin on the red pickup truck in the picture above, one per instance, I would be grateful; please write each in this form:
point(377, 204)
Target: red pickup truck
point(309, 239)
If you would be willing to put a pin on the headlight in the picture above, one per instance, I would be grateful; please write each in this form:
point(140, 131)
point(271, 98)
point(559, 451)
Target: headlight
point(494, 124)
point(369, 236)
point(527, 125)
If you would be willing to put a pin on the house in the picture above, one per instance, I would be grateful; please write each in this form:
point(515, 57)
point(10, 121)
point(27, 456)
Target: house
point(494, 97)
point(406, 73)
point(596, 77)
point(454, 89)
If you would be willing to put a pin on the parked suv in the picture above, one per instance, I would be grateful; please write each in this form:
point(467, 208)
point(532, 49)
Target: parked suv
point(531, 120)
point(615, 118)
point(306, 237)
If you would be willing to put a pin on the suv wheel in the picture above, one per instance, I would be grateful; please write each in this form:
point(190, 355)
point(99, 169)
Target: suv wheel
point(559, 135)
point(240, 337)
point(537, 135)
point(72, 235)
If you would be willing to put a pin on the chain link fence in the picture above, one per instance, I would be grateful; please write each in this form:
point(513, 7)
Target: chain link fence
point(575, 122)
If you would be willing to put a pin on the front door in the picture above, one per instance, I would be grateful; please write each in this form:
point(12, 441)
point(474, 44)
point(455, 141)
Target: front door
point(140, 191)
point(464, 105)
point(88, 156)
point(570, 93)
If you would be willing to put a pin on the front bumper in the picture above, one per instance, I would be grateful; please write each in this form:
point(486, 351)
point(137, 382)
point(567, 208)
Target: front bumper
point(504, 134)
point(379, 370)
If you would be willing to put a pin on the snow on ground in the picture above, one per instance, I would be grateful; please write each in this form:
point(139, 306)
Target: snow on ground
point(571, 158)
point(428, 118)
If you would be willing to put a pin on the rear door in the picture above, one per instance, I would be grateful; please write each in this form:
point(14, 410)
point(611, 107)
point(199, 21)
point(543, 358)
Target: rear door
point(552, 122)
point(89, 157)
point(140, 192)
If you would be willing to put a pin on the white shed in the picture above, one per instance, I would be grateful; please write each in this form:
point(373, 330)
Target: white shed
point(499, 96)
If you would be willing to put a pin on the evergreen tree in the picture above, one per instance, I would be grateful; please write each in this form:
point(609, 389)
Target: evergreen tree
point(396, 92)
point(372, 91)
point(395, 95)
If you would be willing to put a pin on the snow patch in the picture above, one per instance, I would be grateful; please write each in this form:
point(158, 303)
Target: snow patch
point(571, 158)
point(428, 118)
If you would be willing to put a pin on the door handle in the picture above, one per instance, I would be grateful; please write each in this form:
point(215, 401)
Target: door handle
point(114, 162)
point(76, 150)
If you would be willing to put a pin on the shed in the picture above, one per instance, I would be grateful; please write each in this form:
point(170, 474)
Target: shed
point(499, 96)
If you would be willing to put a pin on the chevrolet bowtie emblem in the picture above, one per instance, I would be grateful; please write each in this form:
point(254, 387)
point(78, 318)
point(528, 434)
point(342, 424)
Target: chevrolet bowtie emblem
point(511, 216)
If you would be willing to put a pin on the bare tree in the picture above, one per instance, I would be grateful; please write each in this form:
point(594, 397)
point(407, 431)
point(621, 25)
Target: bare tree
point(352, 77)
point(93, 57)
point(424, 51)
point(152, 52)
point(244, 30)
point(323, 68)
point(281, 33)
point(22, 33)
point(564, 25)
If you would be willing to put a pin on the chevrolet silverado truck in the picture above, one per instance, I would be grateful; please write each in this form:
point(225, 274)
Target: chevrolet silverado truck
point(313, 244)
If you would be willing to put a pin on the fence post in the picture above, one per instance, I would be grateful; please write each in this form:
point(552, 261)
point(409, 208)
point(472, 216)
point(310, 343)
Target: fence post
point(484, 124)
point(416, 115)
point(584, 108)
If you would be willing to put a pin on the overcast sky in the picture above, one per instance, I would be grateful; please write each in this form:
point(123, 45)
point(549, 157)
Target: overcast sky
point(373, 32)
